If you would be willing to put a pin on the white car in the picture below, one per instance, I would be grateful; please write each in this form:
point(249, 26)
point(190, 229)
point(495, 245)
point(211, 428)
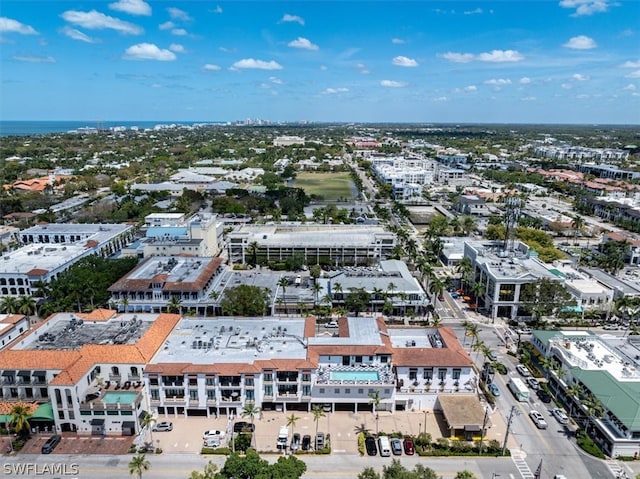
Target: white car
point(162, 426)
point(522, 369)
point(538, 419)
point(560, 416)
point(213, 433)
point(331, 324)
point(212, 441)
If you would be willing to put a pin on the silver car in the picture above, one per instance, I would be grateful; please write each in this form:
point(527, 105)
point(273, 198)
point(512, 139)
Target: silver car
point(538, 419)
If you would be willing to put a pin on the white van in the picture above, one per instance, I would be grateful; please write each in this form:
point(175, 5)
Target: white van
point(212, 441)
point(384, 446)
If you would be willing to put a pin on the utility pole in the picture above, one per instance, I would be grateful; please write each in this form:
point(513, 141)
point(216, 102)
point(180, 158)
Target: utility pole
point(484, 425)
point(506, 435)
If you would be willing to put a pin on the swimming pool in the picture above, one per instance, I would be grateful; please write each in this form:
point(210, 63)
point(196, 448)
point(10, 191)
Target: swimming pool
point(355, 375)
point(124, 397)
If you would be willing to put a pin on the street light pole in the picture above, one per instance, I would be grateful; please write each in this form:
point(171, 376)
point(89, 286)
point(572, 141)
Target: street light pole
point(425, 422)
point(506, 435)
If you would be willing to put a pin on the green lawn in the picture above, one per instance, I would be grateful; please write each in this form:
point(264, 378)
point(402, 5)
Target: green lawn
point(329, 186)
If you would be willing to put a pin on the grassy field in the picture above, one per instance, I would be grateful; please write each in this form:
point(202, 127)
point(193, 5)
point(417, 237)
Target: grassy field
point(329, 186)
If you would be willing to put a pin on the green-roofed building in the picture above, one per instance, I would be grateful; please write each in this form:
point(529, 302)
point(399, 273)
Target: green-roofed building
point(607, 367)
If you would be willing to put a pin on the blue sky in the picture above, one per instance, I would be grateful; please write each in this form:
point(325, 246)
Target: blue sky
point(562, 61)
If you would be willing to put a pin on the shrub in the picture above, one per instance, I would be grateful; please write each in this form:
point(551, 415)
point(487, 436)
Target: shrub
point(361, 447)
point(224, 451)
point(587, 445)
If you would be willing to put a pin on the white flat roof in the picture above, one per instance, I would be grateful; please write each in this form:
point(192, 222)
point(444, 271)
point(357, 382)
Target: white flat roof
point(39, 256)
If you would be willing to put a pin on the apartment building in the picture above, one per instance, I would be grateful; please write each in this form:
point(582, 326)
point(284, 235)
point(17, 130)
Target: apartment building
point(211, 367)
point(12, 326)
point(88, 367)
point(606, 367)
point(52, 249)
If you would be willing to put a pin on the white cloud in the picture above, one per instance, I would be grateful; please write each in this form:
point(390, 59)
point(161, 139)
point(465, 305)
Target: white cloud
point(179, 32)
point(630, 87)
point(401, 61)
point(458, 57)
point(583, 96)
point(276, 80)
point(585, 7)
point(528, 98)
point(498, 81)
point(303, 43)
point(250, 63)
point(477, 11)
point(630, 64)
point(323, 68)
point(393, 83)
point(397, 41)
point(334, 91)
point(471, 88)
point(218, 9)
point(133, 7)
point(581, 42)
point(95, 20)
point(178, 14)
point(566, 86)
point(177, 48)
point(501, 56)
point(31, 59)
point(9, 25)
point(635, 74)
point(167, 25)
point(441, 99)
point(77, 35)
point(287, 18)
point(210, 67)
point(148, 51)
point(580, 77)
point(525, 80)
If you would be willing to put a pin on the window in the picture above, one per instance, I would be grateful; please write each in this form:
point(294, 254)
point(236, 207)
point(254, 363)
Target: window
point(155, 394)
point(111, 412)
point(347, 391)
point(321, 391)
point(249, 395)
point(387, 391)
point(211, 395)
point(336, 391)
point(193, 394)
point(268, 390)
point(127, 413)
point(306, 390)
point(413, 373)
point(268, 377)
point(360, 391)
point(209, 381)
point(306, 377)
point(248, 382)
point(428, 374)
point(456, 373)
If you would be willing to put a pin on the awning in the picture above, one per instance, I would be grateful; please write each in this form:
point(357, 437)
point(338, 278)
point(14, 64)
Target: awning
point(8, 373)
point(128, 425)
point(43, 413)
point(462, 411)
point(39, 373)
point(143, 414)
point(97, 421)
point(472, 428)
point(24, 374)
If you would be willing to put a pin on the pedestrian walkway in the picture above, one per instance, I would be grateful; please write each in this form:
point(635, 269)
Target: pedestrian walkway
point(616, 468)
point(518, 456)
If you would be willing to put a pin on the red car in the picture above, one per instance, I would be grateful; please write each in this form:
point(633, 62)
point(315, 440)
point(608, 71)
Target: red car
point(409, 448)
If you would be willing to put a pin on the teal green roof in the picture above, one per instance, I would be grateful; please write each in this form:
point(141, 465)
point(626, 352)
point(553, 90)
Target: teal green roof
point(44, 411)
point(557, 272)
point(622, 398)
point(544, 335)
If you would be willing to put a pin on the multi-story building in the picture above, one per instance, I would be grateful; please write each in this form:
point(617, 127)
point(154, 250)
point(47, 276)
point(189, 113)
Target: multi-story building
point(606, 368)
point(314, 244)
point(161, 281)
point(216, 366)
point(52, 249)
point(12, 326)
point(88, 367)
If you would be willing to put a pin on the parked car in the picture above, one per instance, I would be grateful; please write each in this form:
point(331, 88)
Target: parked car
point(493, 389)
point(50, 445)
point(396, 446)
point(242, 426)
point(560, 415)
point(493, 356)
point(331, 324)
point(212, 433)
point(295, 442)
point(326, 407)
point(409, 448)
point(319, 441)
point(543, 396)
point(306, 442)
point(533, 383)
point(522, 369)
point(370, 446)
point(162, 426)
point(212, 441)
point(538, 419)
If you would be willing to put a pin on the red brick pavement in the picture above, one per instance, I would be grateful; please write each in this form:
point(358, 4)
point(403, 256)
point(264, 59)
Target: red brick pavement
point(72, 444)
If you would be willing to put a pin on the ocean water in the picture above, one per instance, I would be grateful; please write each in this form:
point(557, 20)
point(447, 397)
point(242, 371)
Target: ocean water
point(22, 128)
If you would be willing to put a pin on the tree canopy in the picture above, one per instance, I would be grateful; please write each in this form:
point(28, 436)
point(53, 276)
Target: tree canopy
point(244, 300)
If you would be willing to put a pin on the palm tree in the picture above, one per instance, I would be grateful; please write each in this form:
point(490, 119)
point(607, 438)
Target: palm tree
point(138, 465)
point(391, 287)
point(478, 347)
point(436, 321)
point(147, 423)
point(465, 270)
point(125, 303)
point(26, 305)
point(578, 226)
point(471, 330)
point(253, 248)
point(291, 421)
point(547, 364)
point(468, 224)
point(19, 420)
point(573, 392)
point(9, 305)
point(337, 289)
point(174, 305)
point(374, 400)
point(436, 287)
point(317, 412)
point(477, 289)
point(525, 356)
point(315, 289)
point(250, 410)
